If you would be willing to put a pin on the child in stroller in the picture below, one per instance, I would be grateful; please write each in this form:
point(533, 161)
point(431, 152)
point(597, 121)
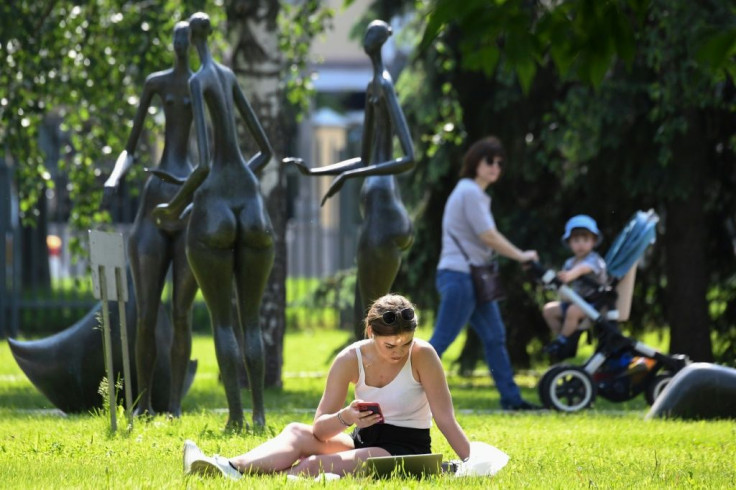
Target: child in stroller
point(620, 367)
point(585, 273)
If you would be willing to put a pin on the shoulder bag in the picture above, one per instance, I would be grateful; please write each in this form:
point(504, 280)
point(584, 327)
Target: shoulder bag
point(486, 280)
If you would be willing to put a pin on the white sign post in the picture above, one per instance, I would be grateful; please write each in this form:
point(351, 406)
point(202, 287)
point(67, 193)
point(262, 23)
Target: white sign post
point(107, 254)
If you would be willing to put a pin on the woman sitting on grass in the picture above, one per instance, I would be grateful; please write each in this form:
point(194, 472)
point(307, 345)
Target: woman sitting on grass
point(403, 374)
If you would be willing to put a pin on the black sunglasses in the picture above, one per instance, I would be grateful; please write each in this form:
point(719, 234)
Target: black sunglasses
point(390, 317)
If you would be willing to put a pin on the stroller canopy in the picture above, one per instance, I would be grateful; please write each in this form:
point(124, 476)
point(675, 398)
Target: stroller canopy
point(631, 243)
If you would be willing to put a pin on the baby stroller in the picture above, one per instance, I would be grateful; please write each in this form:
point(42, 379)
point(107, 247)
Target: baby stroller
point(621, 367)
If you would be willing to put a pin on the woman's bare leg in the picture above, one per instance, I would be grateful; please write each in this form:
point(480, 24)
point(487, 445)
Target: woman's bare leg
point(149, 262)
point(210, 254)
point(184, 291)
point(253, 262)
point(341, 463)
point(296, 443)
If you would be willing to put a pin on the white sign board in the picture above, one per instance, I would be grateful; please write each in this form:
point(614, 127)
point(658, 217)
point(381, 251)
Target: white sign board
point(107, 249)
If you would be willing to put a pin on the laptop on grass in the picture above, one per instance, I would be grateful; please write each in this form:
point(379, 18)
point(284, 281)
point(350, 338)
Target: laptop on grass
point(416, 465)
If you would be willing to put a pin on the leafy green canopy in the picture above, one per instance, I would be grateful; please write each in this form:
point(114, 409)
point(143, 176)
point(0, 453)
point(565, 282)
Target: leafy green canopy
point(605, 107)
point(581, 37)
point(84, 62)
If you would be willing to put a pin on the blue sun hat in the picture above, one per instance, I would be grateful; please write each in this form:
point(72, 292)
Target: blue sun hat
point(585, 222)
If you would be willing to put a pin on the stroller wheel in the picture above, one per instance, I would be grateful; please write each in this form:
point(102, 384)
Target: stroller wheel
point(567, 389)
point(545, 377)
point(656, 386)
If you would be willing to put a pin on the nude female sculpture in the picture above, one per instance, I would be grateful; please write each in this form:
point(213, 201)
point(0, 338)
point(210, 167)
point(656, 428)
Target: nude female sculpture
point(387, 230)
point(151, 249)
point(229, 236)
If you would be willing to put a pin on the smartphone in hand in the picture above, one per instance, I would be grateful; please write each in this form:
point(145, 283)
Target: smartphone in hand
point(372, 407)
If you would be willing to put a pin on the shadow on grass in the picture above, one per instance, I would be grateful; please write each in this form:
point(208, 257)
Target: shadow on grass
point(22, 396)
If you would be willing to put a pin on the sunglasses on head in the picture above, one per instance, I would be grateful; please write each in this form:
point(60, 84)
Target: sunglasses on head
point(391, 316)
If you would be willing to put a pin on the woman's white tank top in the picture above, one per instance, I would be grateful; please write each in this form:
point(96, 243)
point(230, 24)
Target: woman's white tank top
point(403, 401)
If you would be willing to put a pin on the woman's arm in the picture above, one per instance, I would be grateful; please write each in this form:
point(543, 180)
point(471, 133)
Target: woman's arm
point(389, 167)
point(326, 421)
point(432, 377)
point(333, 169)
point(369, 127)
point(398, 122)
point(396, 165)
point(260, 159)
point(125, 159)
point(196, 93)
point(345, 165)
point(174, 208)
point(495, 239)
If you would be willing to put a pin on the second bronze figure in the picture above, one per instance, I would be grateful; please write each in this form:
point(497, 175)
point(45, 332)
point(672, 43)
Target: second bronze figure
point(387, 230)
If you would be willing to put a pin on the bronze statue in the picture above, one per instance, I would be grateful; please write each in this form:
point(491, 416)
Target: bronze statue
point(152, 250)
point(229, 235)
point(387, 229)
point(67, 367)
point(700, 391)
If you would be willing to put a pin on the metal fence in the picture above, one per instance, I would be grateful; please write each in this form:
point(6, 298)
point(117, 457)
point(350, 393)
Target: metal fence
point(318, 285)
point(44, 288)
point(319, 262)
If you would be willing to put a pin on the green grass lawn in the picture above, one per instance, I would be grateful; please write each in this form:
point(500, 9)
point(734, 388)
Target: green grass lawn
point(609, 446)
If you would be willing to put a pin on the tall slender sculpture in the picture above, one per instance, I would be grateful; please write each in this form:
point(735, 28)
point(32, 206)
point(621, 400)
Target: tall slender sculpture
point(229, 235)
point(387, 230)
point(152, 249)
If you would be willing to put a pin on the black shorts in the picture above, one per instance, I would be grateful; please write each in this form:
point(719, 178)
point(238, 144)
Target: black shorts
point(396, 440)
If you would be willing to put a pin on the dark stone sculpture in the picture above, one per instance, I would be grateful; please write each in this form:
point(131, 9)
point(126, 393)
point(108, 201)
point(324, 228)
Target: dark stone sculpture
point(151, 250)
point(229, 236)
point(68, 367)
point(387, 229)
point(699, 391)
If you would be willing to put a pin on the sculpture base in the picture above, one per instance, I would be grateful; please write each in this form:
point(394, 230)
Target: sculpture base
point(700, 391)
point(67, 367)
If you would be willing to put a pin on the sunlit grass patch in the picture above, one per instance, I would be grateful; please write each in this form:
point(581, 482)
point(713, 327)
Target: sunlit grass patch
point(609, 446)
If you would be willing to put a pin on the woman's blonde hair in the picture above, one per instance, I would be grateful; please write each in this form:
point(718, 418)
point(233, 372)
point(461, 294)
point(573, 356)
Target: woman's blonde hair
point(404, 318)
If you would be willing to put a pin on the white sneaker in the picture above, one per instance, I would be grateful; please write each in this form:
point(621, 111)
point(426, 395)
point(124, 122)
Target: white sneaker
point(195, 462)
point(190, 453)
point(216, 465)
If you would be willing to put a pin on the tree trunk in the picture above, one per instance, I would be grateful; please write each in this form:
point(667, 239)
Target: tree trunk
point(256, 60)
point(685, 251)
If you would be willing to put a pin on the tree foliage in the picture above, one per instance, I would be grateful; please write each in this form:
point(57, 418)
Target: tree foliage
point(300, 23)
point(84, 62)
point(605, 107)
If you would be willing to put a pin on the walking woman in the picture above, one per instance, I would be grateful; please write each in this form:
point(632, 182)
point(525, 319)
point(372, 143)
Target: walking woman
point(468, 229)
